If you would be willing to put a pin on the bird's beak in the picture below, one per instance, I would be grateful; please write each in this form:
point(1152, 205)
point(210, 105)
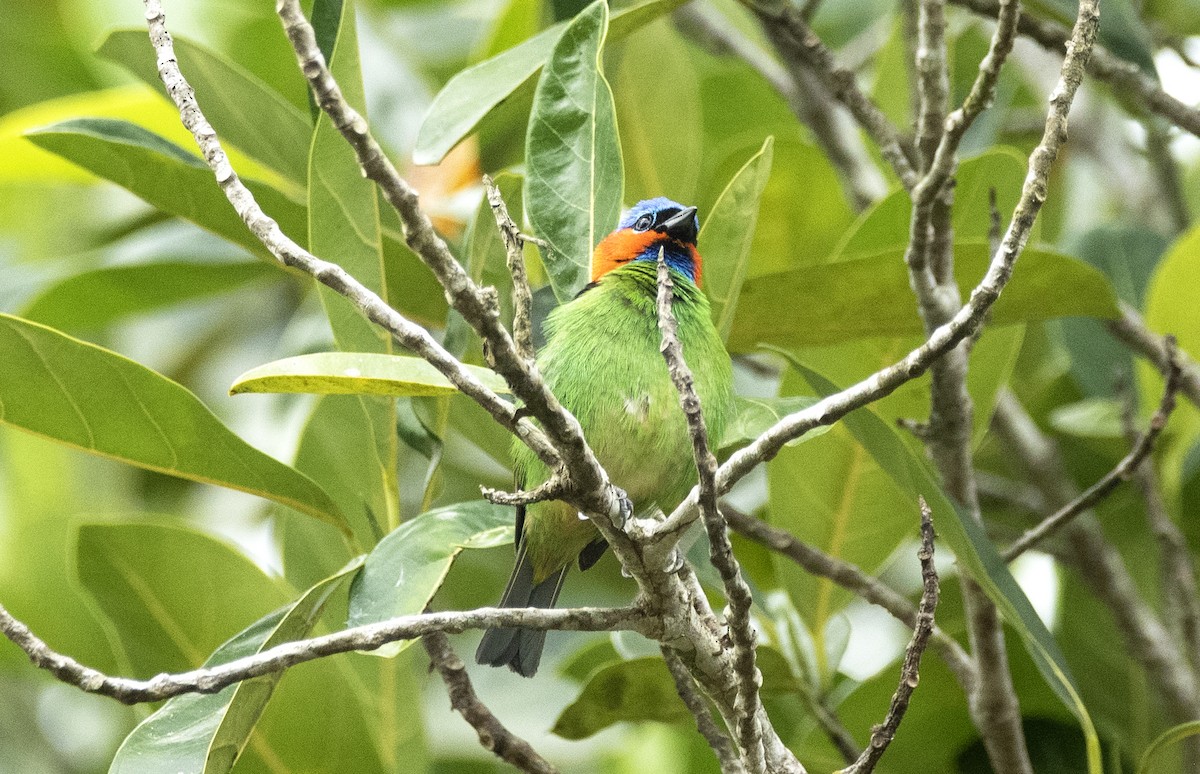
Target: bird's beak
point(682, 226)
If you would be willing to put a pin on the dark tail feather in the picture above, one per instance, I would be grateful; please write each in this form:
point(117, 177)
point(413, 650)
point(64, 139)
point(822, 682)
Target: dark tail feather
point(520, 649)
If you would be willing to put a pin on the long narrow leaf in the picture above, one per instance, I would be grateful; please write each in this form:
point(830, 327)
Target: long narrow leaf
point(574, 182)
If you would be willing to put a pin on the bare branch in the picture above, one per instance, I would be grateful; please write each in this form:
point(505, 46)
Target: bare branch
point(494, 737)
point(522, 296)
point(1100, 564)
point(882, 735)
point(854, 580)
point(727, 756)
point(1123, 76)
point(933, 84)
point(737, 592)
point(789, 31)
point(1122, 472)
point(1131, 329)
point(1181, 603)
point(552, 489)
point(367, 637)
point(804, 93)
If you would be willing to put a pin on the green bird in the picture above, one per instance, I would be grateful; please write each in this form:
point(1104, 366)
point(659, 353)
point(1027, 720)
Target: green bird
point(602, 361)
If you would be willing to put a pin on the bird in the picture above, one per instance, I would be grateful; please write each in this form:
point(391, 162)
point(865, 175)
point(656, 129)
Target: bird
point(602, 361)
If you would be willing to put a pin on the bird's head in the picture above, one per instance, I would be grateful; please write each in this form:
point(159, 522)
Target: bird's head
point(649, 226)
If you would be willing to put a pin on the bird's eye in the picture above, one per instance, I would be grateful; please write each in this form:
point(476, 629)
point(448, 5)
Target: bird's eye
point(643, 223)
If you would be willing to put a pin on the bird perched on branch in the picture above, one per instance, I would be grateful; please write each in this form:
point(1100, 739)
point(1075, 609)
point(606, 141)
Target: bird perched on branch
point(602, 361)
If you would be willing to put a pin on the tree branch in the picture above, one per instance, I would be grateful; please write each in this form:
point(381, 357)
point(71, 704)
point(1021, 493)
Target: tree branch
point(1099, 564)
point(1123, 76)
point(882, 735)
point(368, 637)
point(685, 686)
point(804, 93)
point(854, 580)
point(1131, 330)
point(515, 254)
point(789, 31)
point(737, 592)
point(1123, 471)
point(493, 736)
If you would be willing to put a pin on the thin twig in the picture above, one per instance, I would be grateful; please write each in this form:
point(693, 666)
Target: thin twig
point(685, 686)
point(493, 735)
point(1124, 76)
point(1181, 603)
point(551, 489)
point(1131, 329)
point(1122, 472)
point(787, 28)
point(801, 88)
point(737, 592)
point(854, 580)
point(882, 735)
point(1099, 564)
point(522, 297)
point(367, 637)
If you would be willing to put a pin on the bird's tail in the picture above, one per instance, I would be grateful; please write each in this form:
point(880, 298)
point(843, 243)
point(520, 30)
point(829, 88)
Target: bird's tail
point(520, 649)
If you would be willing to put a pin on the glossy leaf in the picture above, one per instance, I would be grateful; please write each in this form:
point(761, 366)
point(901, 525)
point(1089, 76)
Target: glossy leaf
point(164, 175)
point(1121, 28)
point(635, 690)
point(977, 555)
point(408, 566)
point(867, 297)
point(727, 234)
point(98, 401)
point(473, 93)
point(355, 373)
point(343, 210)
point(93, 299)
point(206, 733)
point(244, 110)
point(574, 177)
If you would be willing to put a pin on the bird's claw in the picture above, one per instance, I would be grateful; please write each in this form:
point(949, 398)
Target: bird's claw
point(624, 509)
point(674, 562)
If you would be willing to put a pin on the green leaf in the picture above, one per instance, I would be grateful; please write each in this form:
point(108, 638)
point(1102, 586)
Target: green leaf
point(639, 689)
point(96, 400)
point(355, 373)
point(165, 176)
point(977, 556)
point(1165, 739)
point(243, 109)
point(157, 583)
point(753, 416)
point(574, 179)
point(343, 210)
point(473, 93)
point(866, 297)
point(728, 231)
point(885, 226)
point(93, 299)
point(408, 566)
point(208, 732)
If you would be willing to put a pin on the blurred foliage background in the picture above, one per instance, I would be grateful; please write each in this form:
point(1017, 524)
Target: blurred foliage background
point(111, 232)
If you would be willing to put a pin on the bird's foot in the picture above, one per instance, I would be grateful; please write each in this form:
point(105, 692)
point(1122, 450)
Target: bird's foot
point(623, 510)
point(674, 562)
